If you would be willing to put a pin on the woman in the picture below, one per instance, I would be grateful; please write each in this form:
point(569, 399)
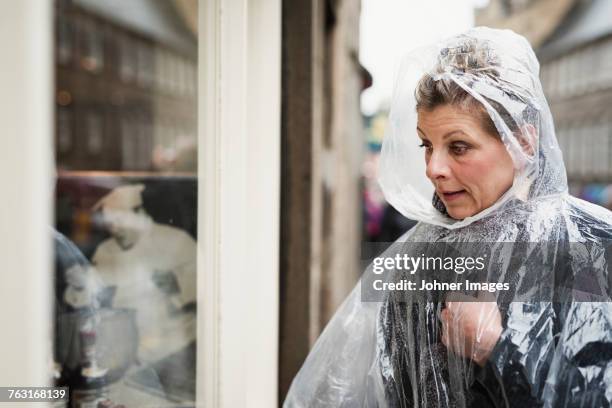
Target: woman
point(496, 175)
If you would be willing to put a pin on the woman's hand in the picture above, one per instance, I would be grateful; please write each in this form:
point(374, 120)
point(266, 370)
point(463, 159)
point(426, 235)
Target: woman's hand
point(471, 329)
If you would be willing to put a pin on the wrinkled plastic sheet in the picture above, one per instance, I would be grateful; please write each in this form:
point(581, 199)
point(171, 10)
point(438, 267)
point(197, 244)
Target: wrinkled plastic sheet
point(554, 349)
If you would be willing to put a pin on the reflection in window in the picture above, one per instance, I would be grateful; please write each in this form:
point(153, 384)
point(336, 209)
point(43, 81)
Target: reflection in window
point(126, 200)
point(64, 41)
point(64, 130)
point(94, 132)
point(92, 46)
point(129, 141)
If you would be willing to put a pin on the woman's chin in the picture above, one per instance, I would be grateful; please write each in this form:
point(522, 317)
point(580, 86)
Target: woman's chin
point(459, 213)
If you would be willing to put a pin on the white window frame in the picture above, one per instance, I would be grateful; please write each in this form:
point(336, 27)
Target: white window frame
point(26, 159)
point(239, 202)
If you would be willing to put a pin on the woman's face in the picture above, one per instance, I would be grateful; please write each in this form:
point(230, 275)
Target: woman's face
point(469, 168)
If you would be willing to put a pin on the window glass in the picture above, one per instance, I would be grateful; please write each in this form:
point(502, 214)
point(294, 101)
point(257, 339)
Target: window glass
point(125, 202)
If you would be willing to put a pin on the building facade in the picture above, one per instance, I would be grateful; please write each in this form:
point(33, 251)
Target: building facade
point(576, 73)
point(126, 79)
point(322, 152)
point(575, 53)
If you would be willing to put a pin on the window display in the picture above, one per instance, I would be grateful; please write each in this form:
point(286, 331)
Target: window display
point(125, 205)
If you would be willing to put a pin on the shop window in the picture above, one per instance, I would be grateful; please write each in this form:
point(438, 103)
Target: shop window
point(125, 247)
point(94, 132)
point(92, 46)
point(65, 40)
point(65, 129)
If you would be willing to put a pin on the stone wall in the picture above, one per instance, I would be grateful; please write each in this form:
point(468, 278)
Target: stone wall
point(321, 160)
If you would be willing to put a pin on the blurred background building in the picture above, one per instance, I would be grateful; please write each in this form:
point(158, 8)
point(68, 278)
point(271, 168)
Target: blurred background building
point(573, 41)
point(126, 75)
point(390, 29)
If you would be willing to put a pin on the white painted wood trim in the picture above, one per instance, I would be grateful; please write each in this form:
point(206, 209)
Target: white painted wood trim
point(208, 370)
point(263, 202)
point(239, 202)
point(26, 160)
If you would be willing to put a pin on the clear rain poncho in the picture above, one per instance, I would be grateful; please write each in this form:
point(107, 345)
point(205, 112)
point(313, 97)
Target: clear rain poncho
point(551, 249)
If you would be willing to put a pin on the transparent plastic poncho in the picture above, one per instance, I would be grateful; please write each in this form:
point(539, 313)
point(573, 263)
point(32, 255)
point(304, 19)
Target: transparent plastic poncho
point(555, 347)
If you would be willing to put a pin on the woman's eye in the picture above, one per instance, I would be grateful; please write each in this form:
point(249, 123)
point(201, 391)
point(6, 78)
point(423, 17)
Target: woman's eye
point(426, 146)
point(459, 149)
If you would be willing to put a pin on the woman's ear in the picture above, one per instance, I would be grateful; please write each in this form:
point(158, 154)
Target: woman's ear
point(528, 139)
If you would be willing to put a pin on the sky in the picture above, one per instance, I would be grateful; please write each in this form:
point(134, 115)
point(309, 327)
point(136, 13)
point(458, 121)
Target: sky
point(391, 28)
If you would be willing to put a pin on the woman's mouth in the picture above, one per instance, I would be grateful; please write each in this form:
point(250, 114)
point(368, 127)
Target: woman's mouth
point(452, 195)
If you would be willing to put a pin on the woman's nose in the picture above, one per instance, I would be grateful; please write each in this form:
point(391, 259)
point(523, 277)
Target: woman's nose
point(437, 166)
